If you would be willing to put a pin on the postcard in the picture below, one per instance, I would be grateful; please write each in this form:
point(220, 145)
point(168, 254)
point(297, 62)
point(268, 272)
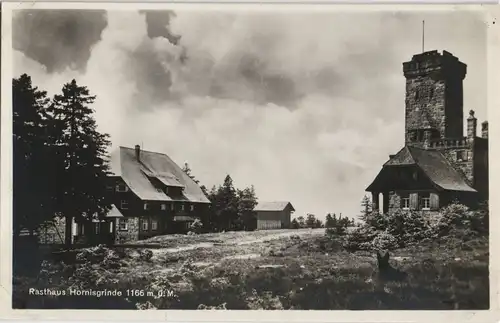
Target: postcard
point(249, 162)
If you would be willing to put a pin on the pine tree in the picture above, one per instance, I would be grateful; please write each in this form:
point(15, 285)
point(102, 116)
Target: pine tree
point(81, 157)
point(247, 201)
point(330, 222)
point(301, 221)
point(186, 169)
point(225, 204)
point(366, 205)
point(33, 179)
point(311, 221)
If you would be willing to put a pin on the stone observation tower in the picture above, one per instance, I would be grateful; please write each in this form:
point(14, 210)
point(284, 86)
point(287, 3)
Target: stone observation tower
point(438, 164)
point(434, 97)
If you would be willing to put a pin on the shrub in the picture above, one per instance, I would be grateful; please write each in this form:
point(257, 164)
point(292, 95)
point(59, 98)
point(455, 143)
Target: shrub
point(385, 241)
point(408, 226)
point(360, 238)
point(196, 226)
point(145, 254)
point(376, 220)
point(459, 219)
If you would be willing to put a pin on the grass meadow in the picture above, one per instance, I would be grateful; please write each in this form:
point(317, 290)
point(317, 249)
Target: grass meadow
point(271, 270)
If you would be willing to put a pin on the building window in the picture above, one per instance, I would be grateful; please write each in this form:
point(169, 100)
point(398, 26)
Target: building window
point(121, 188)
point(183, 207)
point(426, 201)
point(154, 225)
point(172, 207)
point(191, 208)
point(166, 190)
point(460, 156)
point(144, 224)
point(146, 206)
point(124, 204)
point(163, 207)
point(405, 201)
point(122, 224)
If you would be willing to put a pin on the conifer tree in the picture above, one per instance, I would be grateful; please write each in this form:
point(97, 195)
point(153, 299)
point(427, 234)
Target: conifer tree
point(186, 169)
point(80, 156)
point(246, 205)
point(33, 179)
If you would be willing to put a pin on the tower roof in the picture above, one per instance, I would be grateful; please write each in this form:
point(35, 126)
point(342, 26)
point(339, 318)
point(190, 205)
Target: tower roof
point(433, 164)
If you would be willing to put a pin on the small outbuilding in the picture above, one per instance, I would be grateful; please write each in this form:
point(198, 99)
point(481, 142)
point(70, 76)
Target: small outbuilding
point(273, 215)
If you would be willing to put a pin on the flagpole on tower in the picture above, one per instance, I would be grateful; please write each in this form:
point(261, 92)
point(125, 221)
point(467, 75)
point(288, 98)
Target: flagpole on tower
point(423, 35)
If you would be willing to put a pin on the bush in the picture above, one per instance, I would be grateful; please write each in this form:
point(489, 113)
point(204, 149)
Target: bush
point(145, 255)
point(360, 238)
point(459, 219)
point(385, 241)
point(196, 226)
point(408, 226)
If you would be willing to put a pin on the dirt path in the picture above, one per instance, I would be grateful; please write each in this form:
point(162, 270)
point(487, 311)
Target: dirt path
point(240, 239)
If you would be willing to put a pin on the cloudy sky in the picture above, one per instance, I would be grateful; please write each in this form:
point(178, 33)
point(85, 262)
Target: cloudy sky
point(305, 106)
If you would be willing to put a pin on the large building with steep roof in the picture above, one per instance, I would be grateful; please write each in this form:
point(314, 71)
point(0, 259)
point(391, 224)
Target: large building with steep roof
point(438, 164)
point(152, 194)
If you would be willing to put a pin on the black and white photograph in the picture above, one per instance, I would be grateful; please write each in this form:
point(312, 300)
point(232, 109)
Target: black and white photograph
point(249, 158)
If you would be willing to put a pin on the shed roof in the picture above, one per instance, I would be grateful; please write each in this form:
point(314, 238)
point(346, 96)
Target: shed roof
point(273, 206)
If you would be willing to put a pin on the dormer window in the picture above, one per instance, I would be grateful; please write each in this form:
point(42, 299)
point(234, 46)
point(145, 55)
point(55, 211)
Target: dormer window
point(124, 205)
point(146, 206)
point(172, 207)
point(163, 207)
point(191, 208)
point(121, 188)
point(166, 190)
point(183, 207)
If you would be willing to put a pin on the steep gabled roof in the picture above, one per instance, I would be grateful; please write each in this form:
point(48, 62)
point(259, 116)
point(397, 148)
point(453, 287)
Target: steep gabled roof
point(435, 166)
point(137, 175)
point(273, 206)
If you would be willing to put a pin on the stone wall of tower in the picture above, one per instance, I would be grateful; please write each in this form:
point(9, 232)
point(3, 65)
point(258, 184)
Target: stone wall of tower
point(481, 167)
point(425, 104)
point(462, 159)
point(434, 97)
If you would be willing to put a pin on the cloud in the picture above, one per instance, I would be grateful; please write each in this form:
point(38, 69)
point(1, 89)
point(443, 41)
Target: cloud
point(305, 106)
point(58, 39)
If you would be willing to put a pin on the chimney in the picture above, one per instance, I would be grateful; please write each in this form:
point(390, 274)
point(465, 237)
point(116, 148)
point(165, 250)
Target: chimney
point(138, 152)
point(427, 137)
point(471, 125)
point(484, 129)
